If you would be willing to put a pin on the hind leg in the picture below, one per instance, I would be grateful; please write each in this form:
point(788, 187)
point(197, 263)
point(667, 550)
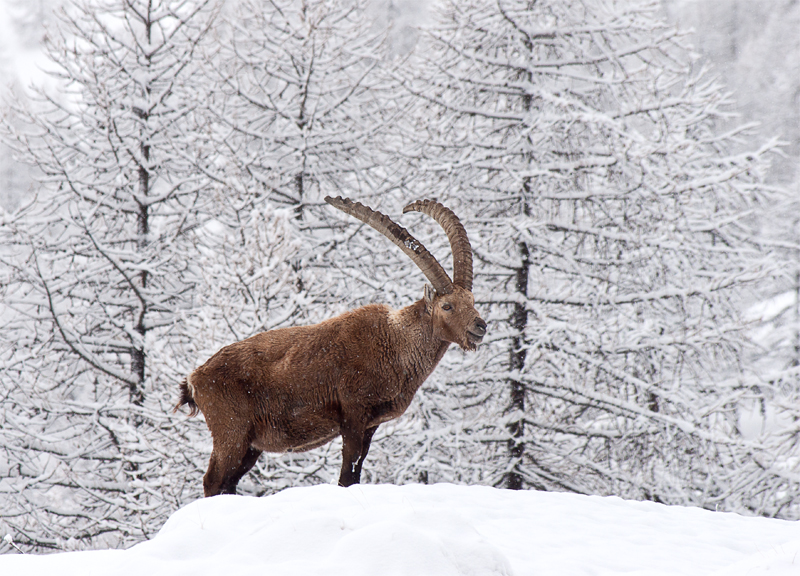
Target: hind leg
point(226, 467)
point(248, 461)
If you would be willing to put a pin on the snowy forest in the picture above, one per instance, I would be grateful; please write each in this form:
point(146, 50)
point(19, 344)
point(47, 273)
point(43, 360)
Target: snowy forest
point(629, 186)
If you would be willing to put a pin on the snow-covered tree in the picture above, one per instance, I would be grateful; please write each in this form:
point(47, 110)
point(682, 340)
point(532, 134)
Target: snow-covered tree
point(299, 107)
point(298, 101)
point(755, 50)
point(612, 238)
point(101, 271)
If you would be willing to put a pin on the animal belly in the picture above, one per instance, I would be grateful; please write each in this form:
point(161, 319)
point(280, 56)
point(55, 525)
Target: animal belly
point(314, 443)
point(296, 435)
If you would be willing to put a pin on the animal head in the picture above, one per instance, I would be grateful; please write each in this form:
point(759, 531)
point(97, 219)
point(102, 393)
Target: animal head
point(454, 317)
point(449, 303)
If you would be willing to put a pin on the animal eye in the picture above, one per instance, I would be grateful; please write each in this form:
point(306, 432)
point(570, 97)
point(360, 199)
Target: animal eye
point(446, 307)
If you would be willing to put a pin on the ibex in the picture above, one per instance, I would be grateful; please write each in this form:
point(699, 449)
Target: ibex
point(294, 389)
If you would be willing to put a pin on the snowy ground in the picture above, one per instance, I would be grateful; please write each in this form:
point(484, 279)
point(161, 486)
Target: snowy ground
point(440, 530)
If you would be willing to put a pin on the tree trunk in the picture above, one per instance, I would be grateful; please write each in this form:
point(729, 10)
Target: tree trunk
point(516, 361)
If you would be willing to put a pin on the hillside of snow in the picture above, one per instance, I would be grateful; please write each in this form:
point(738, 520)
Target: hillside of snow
point(439, 530)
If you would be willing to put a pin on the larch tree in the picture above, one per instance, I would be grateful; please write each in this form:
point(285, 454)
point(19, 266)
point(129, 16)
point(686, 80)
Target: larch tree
point(298, 103)
point(766, 77)
point(98, 272)
point(298, 107)
point(612, 244)
point(770, 410)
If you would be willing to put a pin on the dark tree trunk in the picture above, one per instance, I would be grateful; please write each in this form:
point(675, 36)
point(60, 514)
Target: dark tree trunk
point(516, 361)
point(138, 356)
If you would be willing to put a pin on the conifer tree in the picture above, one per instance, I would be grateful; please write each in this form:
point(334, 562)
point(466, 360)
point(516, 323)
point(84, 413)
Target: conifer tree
point(612, 246)
point(99, 274)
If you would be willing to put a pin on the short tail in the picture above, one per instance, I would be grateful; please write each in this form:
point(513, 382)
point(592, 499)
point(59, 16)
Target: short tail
point(186, 400)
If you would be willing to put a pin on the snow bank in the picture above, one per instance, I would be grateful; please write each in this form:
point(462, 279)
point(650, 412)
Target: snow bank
point(440, 530)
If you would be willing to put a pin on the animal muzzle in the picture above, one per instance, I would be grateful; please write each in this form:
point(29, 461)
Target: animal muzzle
point(477, 331)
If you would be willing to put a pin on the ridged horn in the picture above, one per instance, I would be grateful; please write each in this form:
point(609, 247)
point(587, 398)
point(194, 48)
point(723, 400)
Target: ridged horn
point(400, 236)
point(459, 243)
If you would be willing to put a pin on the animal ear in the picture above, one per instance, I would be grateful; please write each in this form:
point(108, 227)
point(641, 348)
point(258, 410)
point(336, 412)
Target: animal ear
point(428, 294)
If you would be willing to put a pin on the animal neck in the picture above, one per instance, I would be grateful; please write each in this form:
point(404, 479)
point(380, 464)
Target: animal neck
point(423, 349)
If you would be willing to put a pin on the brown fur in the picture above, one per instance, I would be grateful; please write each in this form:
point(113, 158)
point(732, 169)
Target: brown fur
point(294, 389)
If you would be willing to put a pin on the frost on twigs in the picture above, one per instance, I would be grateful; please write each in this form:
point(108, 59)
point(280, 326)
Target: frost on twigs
point(609, 218)
point(10, 541)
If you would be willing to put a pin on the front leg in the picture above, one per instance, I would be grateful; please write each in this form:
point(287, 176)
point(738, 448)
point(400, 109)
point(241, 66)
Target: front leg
point(370, 432)
point(355, 445)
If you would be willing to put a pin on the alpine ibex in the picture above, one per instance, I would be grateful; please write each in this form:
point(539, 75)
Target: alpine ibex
point(293, 389)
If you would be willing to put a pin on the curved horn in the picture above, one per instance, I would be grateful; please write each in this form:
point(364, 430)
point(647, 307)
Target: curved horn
point(459, 243)
point(411, 246)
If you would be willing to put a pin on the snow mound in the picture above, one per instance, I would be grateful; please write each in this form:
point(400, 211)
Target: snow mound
point(439, 530)
point(781, 560)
